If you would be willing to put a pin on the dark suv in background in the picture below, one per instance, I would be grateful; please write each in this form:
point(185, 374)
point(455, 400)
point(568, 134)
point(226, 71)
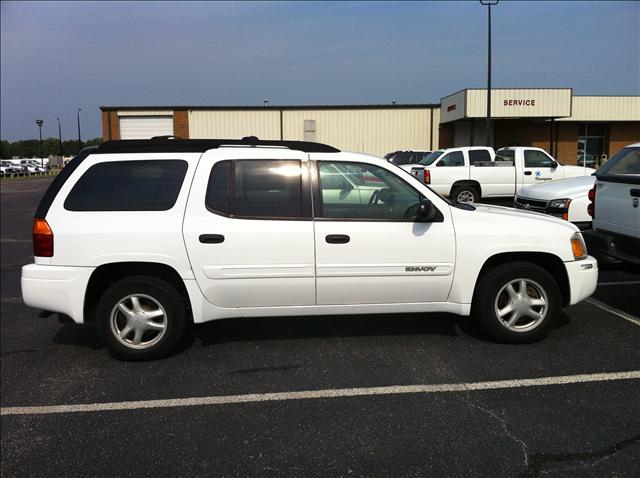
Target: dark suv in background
point(406, 157)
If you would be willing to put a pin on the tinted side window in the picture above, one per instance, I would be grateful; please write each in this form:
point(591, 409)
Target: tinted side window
point(267, 189)
point(148, 185)
point(507, 155)
point(478, 155)
point(256, 188)
point(401, 158)
point(455, 158)
point(218, 196)
point(537, 159)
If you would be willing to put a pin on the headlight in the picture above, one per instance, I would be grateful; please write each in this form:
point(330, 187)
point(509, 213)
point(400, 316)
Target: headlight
point(559, 204)
point(578, 247)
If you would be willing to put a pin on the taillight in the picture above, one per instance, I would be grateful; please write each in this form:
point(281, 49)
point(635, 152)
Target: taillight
point(427, 177)
point(42, 238)
point(591, 208)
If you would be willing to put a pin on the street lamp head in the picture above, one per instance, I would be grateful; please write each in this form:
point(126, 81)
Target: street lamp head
point(39, 123)
point(489, 2)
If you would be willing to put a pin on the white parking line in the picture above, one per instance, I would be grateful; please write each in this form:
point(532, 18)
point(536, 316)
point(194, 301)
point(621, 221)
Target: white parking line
point(328, 393)
point(631, 318)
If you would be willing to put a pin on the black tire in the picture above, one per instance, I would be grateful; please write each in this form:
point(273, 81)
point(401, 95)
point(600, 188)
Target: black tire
point(153, 294)
point(492, 290)
point(466, 190)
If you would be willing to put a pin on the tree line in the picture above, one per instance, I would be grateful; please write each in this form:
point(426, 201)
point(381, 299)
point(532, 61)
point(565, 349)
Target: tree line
point(30, 148)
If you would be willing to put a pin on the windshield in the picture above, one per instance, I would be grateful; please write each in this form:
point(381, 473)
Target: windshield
point(627, 161)
point(429, 159)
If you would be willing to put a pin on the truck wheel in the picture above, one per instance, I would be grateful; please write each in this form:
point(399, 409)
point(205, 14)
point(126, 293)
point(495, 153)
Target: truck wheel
point(464, 194)
point(140, 318)
point(517, 302)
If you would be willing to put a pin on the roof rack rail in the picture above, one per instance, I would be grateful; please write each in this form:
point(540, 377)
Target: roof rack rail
point(173, 144)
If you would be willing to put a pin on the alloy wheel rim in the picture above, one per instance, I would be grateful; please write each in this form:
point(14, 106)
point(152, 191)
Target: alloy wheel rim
point(521, 305)
point(138, 321)
point(465, 196)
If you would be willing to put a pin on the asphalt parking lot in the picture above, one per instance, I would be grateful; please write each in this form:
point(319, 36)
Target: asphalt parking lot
point(352, 396)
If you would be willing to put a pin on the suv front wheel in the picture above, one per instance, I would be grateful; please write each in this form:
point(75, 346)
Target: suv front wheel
point(140, 318)
point(517, 302)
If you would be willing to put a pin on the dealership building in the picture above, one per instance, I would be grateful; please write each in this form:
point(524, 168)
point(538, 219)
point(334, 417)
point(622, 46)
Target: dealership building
point(566, 125)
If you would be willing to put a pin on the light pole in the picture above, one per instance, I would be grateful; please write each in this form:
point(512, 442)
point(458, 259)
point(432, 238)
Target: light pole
point(79, 138)
point(40, 123)
point(59, 136)
point(489, 3)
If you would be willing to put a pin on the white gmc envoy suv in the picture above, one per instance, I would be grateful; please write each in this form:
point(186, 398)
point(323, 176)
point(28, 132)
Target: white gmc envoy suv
point(138, 237)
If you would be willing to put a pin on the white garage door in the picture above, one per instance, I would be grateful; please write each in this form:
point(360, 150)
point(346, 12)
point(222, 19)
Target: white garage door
point(144, 127)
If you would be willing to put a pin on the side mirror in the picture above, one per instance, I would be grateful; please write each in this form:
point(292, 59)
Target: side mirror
point(426, 212)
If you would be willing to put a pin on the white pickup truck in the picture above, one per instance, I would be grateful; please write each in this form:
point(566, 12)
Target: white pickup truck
point(615, 207)
point(470, 173)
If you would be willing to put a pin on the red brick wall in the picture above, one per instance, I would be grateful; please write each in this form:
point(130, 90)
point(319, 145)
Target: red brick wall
point(181, 124)
point(567, 142)
point(105, 125)
point(110, 117)
point(622, 134)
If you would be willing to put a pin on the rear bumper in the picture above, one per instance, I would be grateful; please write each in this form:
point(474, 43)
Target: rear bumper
point(608, 244)
point(583, 278)
point(56, 288)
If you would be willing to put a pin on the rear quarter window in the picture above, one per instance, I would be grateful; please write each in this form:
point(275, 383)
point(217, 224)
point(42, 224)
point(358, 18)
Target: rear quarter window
point(146, 185)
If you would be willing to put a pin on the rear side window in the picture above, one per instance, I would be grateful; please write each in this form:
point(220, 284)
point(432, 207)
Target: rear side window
point(479, 155)
point(148, 185)
point(256, 189)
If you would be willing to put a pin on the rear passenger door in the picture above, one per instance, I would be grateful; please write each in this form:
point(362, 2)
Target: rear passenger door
point(248, 228)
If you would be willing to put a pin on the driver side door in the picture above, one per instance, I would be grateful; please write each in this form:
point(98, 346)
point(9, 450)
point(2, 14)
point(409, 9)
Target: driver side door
point(539, 167)
point(371, 251)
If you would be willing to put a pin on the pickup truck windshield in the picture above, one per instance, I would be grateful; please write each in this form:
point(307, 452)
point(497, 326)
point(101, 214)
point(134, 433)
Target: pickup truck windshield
point(429, 159)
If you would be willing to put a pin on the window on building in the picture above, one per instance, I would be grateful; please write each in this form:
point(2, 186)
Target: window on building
point(364, 191)
point(537, 159)
point(256, 188)
point(591, 143)
point(149, 185)
point(478, 155)
point(456, 158)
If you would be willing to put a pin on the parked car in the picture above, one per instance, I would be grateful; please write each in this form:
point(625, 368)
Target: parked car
point(202, 230)
point(567, 199)
point(468, 174)
point(33, 166)
point(407, 157)
point(7, 167)
point(615, 207)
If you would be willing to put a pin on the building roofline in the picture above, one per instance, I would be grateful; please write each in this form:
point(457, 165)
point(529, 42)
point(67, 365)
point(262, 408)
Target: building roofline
point(274, 107)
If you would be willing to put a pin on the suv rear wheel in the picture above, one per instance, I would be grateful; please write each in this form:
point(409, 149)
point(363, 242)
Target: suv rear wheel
point(140, 318)
point(517, 302)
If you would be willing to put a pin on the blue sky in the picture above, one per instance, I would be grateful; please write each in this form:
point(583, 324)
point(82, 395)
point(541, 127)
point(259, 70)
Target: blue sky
point(60, 56)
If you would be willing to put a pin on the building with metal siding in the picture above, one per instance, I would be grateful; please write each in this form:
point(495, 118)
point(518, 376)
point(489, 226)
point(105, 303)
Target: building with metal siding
point(569, 127)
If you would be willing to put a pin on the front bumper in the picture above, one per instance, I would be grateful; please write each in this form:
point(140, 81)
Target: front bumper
point(56, 288)
point(583, 278)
